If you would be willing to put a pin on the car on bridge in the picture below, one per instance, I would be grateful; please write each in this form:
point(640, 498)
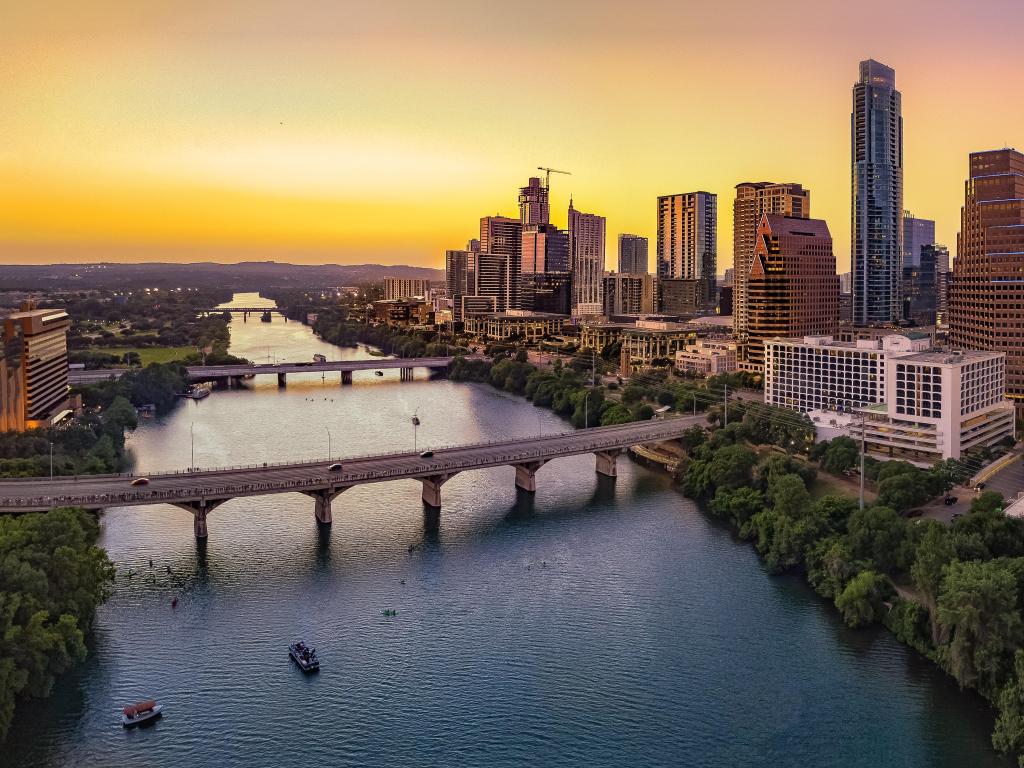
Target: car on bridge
point(140, 481)
point(336, 467)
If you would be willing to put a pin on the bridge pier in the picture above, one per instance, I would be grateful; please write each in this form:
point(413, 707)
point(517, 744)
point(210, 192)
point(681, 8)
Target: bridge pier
point(200, 509)
point(432, 488)
point(405, 374)
point(346, 377)
point(282, 378)
point(606, 462)
point(323, 500)
point(526, 475)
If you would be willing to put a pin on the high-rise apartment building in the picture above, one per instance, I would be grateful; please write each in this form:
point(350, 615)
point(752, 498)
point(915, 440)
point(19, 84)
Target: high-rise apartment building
point(633, 255)
point(501, 239)
point(43, 334)
point(793, 289)
point(753, 200)
point(917, 233)
point(459, 273)
point(586, 259)
point(986, 293)
point(629, 294)
point(405, 288)
point(533, 204)
point(877, 184)
point(921, 285)
point(687, 246)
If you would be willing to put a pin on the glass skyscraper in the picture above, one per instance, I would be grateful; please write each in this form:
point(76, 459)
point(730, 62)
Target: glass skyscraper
point(877, 237)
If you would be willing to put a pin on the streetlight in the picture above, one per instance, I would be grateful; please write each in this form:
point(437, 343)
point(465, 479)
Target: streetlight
point(192, 437)
point(328, 442)
point(51, 459)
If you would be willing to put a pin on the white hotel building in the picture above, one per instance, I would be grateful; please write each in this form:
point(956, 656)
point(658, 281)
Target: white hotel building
point(914, 404)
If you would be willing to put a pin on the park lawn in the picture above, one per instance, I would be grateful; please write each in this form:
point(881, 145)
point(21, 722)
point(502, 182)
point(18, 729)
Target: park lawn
point(151, 354)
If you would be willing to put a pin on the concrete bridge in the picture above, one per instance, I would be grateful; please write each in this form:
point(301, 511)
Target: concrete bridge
point(232, 374)
point(201, 491)
point(244, 310)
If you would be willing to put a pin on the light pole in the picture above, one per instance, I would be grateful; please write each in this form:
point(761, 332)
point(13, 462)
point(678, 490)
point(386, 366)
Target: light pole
point(328, 442)
point(192, 438)
point(694, 403)
point(415, 425)
point(51, 459)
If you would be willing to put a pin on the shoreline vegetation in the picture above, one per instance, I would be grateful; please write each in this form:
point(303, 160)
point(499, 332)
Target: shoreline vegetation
point(953, 593)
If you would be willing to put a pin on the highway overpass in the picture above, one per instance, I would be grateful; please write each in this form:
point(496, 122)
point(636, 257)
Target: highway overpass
point(199, 491)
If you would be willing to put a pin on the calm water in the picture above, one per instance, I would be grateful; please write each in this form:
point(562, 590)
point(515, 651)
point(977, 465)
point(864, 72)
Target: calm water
point(596, 624)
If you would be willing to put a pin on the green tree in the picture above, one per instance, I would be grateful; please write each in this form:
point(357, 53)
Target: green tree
point(737, 505)
point(935, 551)
point(1009, 733)
point(731, 466)
point(616, 414)
point(880, 535)
point(861, 600)
point(841, 454)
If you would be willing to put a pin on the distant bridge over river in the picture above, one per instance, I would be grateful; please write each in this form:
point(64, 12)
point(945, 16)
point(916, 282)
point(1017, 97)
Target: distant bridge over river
point(233, 374)
point(200, 491)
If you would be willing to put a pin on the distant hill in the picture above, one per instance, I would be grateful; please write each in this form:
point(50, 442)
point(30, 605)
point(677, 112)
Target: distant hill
point(244, 276)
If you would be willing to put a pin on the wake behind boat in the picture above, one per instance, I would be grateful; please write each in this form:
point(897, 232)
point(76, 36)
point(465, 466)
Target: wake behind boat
point(140, 713)
point(304, 656)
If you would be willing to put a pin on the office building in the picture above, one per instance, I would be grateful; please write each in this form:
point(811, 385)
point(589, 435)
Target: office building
point(629, 294)
point(544, 248)
point(921, 284)
point(680, 297)
point(500, 260)
point(877, 213)
point(633, 255)
point(533, 204)
point(687, 247)
point(517, 323)
point(43, 334)
point(917, 233)
point(586, 258)
point(726, 300)
point(709, 357)
point(986, 295)
point(651, 342)
point(915, 404)
point(753, 200)
point(792, 288)
point(546, 292)
point(405, 288)
point(466, 306)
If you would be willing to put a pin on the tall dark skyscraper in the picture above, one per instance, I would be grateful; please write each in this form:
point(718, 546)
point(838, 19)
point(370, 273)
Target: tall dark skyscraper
point(633, 255)
point(877, 238)
point(917, 233)
point(499, 261)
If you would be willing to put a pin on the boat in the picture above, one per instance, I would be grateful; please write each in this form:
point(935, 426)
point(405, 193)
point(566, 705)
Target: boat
point(304, 656)
point(265, 317)
point(139, 713)
point(318, 358)
point(196, 393)
point(379, 373)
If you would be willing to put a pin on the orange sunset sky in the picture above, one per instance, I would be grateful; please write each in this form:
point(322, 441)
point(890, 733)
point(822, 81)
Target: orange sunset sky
point(336, 131)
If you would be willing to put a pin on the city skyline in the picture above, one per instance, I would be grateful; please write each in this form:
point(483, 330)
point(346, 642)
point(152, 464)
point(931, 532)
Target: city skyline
point(135, 136)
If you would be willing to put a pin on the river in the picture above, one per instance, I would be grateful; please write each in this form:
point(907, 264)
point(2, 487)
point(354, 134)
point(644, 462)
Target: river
point(597, 624)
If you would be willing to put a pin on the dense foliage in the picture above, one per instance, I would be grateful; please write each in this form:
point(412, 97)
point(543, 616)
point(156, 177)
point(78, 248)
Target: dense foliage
point(964, 583)
point(52, 578)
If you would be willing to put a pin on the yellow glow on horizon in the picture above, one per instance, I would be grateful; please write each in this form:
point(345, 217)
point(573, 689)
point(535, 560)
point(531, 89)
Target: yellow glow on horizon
point(349, 133)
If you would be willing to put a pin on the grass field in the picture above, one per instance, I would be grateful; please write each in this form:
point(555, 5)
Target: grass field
point(151, 354)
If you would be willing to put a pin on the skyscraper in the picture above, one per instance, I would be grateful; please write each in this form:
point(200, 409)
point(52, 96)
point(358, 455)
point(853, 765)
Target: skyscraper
point(459, 273)
point(545, 248)
point(628, 293)
point(753, 200)
point(501, 240)
point(633, 255)
point(877, 228)
point(986, 294)
point(586, 259)
point(921, 286)
point(917, 233)
point(793, 288)
point(533, 203)
point(12, 380)
point(405, 288)
point(687, 240)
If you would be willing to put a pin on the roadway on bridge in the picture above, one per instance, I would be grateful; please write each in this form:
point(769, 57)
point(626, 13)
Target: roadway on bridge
point(100, 491)
point(207, 372)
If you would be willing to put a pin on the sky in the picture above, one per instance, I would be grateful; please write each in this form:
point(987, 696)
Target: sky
point(331, 131)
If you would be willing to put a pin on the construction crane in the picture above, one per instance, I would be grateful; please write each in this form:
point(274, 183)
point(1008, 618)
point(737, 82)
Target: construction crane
point(547, 174)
